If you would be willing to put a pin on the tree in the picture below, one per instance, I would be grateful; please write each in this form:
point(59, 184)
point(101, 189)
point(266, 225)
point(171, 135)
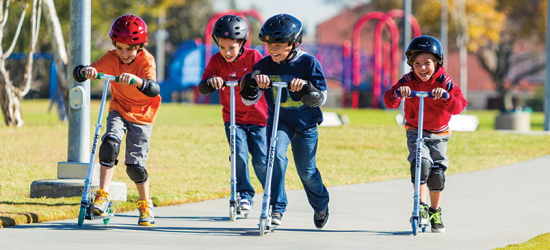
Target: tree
point(10, 93)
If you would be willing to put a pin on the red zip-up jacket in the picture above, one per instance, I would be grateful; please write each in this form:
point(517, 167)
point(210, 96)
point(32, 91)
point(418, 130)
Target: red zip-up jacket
point(437, 113)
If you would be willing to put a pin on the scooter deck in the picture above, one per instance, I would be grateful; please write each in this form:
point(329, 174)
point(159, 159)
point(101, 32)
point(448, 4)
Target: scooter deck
point(91, 216)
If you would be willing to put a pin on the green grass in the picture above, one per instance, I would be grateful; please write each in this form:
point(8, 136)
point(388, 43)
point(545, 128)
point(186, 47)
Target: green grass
point(188, 156)
point(540, 242)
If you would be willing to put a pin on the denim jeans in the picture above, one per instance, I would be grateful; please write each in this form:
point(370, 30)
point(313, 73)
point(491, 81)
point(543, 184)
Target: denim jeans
point(304, 150)
point(249, 139)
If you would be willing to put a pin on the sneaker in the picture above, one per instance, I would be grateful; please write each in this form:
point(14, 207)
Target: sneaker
point(424, 217)
point(246, 205)
point(435, 220)
point(276, 218)
point(321, 219)
point(101, 203)
point(146, 213)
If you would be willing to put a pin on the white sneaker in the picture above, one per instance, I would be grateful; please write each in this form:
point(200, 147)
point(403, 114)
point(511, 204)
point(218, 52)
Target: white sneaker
point(246, 205)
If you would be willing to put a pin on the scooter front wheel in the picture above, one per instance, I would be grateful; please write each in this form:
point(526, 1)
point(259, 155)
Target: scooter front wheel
point(262, 226)
point(414, 224)
point(232, 213)
point(81, 216)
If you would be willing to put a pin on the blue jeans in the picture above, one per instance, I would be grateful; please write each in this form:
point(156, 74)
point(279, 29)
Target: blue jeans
point(304, 150)
point(249, 139)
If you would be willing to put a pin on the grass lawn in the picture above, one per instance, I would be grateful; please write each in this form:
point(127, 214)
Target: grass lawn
point(188, 160)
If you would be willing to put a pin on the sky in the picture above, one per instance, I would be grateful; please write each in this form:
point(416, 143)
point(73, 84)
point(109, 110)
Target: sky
point(310, 12)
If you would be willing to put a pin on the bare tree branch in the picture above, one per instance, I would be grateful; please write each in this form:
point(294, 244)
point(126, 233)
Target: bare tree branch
point(14, 41)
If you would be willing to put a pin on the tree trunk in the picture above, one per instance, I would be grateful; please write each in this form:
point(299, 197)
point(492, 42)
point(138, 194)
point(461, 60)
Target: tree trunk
point(60, 52)
point(11, 108)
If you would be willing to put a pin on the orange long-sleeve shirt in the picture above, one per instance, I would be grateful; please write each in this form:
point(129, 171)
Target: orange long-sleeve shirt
point(128, 100)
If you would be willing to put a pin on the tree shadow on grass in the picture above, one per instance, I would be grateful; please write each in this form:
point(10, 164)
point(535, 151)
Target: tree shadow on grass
point(39, 203)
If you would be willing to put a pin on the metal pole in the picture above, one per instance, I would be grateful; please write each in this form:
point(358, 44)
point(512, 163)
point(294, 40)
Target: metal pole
point(444, 29)
point(161, 40)
point(407, 7)
point(547, 84)
point(79, 118)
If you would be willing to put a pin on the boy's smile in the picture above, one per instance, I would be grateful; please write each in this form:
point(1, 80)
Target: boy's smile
point(229, 48)
point(424, 66)
point(126, 52)
point(279, 51)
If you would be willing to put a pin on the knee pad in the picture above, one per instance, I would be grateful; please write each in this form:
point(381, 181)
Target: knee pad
point(425, 166)
point(436, 180)
point(108, 152)
point(137, 173)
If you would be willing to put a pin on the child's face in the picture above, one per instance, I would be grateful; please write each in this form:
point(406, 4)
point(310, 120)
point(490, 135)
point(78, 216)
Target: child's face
point(126, 52)
point(424, 66)
point(229, 48)
point(279, 51)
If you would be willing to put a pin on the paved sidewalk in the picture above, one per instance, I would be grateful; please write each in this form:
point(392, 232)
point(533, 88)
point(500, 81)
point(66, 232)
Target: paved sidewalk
point(481, 210)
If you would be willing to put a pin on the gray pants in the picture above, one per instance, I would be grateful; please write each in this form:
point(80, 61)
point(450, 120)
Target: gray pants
point(434, 151)
point(138, 137)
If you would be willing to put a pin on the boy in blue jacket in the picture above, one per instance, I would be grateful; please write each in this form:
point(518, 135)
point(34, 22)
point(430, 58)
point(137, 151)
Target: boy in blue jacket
point(299, 115)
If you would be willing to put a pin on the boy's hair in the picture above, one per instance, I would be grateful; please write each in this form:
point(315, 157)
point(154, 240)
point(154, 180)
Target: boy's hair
point(132, 46)
point(414, 54)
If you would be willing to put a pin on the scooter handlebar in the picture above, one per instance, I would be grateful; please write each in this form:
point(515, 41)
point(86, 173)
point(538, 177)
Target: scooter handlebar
point(105, 76)
point(414, 93)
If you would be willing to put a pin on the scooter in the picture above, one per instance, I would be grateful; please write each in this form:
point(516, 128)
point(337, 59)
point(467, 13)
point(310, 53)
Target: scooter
point(87, 201)
point(234, 200)
point(265, 217)
point(417, 220)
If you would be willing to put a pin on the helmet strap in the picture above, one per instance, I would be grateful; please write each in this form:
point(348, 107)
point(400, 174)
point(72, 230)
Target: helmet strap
point(291, 54)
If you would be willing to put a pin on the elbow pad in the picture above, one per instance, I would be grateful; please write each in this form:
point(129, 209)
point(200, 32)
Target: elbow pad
point(76, 73)
point(310, 95)
point(150, 87)
point(205, 88)
point(249, 86)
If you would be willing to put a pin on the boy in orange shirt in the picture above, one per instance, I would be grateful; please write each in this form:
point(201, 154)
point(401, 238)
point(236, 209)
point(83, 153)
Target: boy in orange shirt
point(132, 110)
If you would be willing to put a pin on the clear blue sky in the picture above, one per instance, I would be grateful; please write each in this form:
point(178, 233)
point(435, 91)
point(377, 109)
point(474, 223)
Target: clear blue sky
point(310, 12)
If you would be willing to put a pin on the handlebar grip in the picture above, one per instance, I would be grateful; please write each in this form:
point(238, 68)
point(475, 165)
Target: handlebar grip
point(132, 82)
point(414, 93)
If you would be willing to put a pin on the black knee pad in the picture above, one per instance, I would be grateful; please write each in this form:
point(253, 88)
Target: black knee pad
point(425, 166)
point(137, 173)
point(436, 180)
point(108, 152)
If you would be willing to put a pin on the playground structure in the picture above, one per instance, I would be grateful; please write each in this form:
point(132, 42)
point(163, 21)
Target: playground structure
point(354, 68)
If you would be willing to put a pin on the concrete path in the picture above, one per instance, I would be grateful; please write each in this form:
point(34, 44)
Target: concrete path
point(481, 210)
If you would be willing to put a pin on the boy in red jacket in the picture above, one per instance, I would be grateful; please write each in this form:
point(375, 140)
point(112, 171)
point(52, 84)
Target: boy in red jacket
point(425, 56)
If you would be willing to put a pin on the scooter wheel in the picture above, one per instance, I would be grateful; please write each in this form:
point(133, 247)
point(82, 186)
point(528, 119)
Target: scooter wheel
point(232, 213)
point(106, 221)
point(414, 224)
point(81, 216)
point(262, 226)
point(246, 215)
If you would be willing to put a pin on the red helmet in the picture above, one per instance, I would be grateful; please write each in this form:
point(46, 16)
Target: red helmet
point(129, 29)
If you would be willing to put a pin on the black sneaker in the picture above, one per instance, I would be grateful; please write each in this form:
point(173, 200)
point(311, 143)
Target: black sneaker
point(435, 220)
point(276, 218)
point(321, 219)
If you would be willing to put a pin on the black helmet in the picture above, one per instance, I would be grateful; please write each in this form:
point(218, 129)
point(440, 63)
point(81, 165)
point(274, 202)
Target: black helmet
point(282, 28)
point(428, 44)
point(230, 26)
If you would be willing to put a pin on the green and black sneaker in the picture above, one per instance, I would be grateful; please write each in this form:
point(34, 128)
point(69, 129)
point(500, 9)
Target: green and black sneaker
point(435, 220)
